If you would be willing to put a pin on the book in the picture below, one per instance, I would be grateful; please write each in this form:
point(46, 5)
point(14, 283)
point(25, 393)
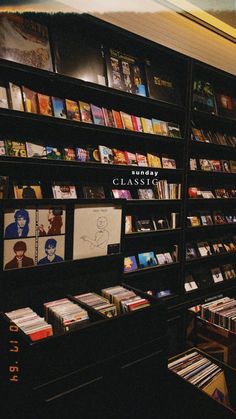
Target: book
point(147, 125)
point(16, 97)
point(128, 224)
point(130, 264)
point(97, 113)
point(4, 103)
point(69, 154)
point(85, 112)
point(30, 100)
point(4, 183)
point(81, 154)
point(121, 194)
point(160, 127)
point(137, 125)
point(15, 148)
point(64, 191)
point(44, 104)
point(130, 158)
point(146, 194)
point(59, 107)
point(108, 118)
point(93, 192)
point(35, 151)
point(146, 260)
point(119, 156)
point(72, 109)
point(28, 190)
point(168, 163)
point(3, 150)
point(117, 119)
point(153, 160)
point(174, 130)
point(127, 121)
point(53, 153)
point(141, 160)
point(106, 154)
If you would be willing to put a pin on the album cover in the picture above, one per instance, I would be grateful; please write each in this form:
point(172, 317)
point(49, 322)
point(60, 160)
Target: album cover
point(168, 163)
point(53, 153)
point(93, 192)
point(217, 275)
point(85, 111)
point(28, 190)
point(193, 221)
point(72, 109)
point(51, 249)
point(2, 148)
point(204, 249)
point(121, 194)
point(225, 105)
point(51, 221)
point(163, 293)
point(97, 113)
point(127, 121)
point(228, 271)
point(217, 246)
point(225, 166)
point(117, 119)
point(136, 120)
point(190, 284)
point(141, 160)
point(216, 165)
point(191, 252)
point(128, 224)
point(19, 253)
point(130, 158)
point(147, 125)
point(174, 130)
point(30, 100)
point(35, 151)
point(108, 118)
point(204, 97)
point(205, 165)
point(93, 154)
point(168, 257)
point(16, 97)
point(44, 104)
point(146, 260)
point(160, 127)
point(97, 230)
point(59, 107)
point(198, 135)
point(144, 224)
point(154, 160)
point(161, 223)
point(3, 98)
point(221, 193)
point(146, 194)
point(130, 264)
point(206, 220)
point(15, 148)
point(207, 195)
point(4, 183)
point(69, 154)
point(163, 83)
point(125, 72)
point(81, 154)
point(193, 164)
point(19, 223)
point(106, 154)
point(24, 41)
point(119, 156)
point(161, 260)
point(64, 191)
point(219, 218)
point(217, 389)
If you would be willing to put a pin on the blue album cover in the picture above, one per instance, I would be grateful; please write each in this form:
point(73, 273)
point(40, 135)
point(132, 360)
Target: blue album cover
point(147, 259)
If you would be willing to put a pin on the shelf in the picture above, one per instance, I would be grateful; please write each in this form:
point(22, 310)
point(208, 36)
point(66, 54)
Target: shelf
point(211, 227)
point(70, 82)
point(206, 173)
point(208, 117)
point(211, 146)
point(211, 258)
point(140, 234)
point(217, 287)
point(152, 269)
point(153, 202)
point(14, 203)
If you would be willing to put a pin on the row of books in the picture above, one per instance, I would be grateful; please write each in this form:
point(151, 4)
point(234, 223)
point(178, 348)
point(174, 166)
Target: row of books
point(227, 166)
point(221, 312)
point(21, 98)
point(213, 137)
point(135, 224)
point(85, 154)
point(210, 247)
point(219, 193)
point(206, 219)
point(150, 259)
point(65, 315)
point(201, 278)
point(201, 372)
